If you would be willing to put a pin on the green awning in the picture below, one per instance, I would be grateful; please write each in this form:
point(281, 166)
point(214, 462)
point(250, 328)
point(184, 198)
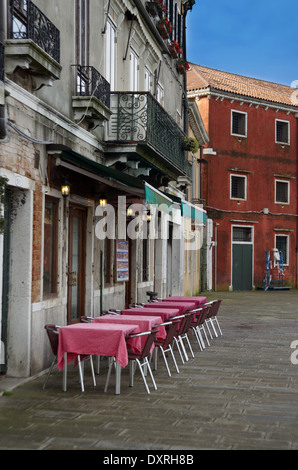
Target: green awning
point(193, 212)
point(98, 168)
point(153, 196)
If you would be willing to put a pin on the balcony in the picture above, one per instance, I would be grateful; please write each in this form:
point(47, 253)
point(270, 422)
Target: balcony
point(92, 97)
point(33, 44)
point(140, 126)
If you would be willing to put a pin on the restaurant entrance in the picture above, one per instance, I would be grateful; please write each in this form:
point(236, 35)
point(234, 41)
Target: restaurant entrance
point(76, 263)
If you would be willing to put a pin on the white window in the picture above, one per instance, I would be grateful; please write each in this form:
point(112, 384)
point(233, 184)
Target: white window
point(239, 123)
point(148, 80)
point(282, 132)
point(238, 187)
point(110, 54)
point(282, 192)
point(282, 244)
point(133, 71)
point(160, 94)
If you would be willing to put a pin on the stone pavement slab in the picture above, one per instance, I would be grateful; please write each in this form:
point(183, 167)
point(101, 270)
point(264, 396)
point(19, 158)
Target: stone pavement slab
point(240, 393)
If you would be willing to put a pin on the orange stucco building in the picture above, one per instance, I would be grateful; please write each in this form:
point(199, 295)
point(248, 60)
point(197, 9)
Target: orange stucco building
point(249, 177)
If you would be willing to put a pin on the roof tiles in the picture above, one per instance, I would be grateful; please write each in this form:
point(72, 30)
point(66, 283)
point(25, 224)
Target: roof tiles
point(199, 77)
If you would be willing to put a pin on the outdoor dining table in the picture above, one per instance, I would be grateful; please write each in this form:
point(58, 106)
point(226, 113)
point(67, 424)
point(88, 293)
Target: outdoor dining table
point(199, 301)
point(182, 307)
point(145, 323)
point(101, 339)
point(164, 313)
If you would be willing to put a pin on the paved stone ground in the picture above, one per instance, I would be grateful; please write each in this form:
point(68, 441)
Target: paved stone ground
point(239, 393)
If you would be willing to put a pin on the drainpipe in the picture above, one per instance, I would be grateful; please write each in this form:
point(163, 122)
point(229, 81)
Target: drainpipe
point(2, 37)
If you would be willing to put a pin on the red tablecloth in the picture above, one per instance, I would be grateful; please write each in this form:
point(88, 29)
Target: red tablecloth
point(101, 339)
point(145, 323)
point(164, 313)
point(181, 306)
point(198, 300)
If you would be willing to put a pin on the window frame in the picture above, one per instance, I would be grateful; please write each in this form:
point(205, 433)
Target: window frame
point(289, 134)
point(134, 65)
point(245, 115)
point(148, 79)
point(242, 242)
point(275, 192)
point(110, 54)
point(285, 263)
point(244, 177)
point(54, 249)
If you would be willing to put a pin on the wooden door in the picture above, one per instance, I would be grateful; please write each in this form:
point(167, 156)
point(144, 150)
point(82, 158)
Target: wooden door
point(76, 263)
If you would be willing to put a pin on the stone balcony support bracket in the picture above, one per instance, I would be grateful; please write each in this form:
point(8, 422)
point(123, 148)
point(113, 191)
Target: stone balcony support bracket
point(27, 55)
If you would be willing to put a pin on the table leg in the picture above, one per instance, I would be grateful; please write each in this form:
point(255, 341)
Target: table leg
point(65, 373)
point(118, 378)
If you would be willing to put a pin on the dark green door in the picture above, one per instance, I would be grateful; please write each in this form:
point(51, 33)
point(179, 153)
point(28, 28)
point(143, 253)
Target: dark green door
point(242, 267)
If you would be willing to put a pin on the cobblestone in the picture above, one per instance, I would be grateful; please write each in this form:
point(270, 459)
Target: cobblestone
point(240, 393)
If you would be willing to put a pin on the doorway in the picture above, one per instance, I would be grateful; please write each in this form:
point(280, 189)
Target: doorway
point(242, 258)
point(76, 263)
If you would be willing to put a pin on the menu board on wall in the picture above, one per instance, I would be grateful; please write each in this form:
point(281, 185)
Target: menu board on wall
point(122, 261)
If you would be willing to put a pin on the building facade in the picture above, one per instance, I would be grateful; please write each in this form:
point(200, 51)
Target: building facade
point(249, 179)
point(93, 117)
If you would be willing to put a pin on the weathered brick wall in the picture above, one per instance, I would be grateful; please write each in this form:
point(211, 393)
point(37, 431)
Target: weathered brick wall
point(18, 156)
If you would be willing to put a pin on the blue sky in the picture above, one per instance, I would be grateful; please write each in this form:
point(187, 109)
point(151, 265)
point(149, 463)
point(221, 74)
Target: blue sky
point(256, 38)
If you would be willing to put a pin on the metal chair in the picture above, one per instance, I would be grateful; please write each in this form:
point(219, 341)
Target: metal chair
point(141, 359)
point(197, 326)
point(181, 334)
point(166, 344)
point(212, 317)
point(53, 335)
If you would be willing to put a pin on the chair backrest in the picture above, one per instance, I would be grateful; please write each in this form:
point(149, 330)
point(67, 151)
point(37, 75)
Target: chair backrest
point(195, 318)
point(53, 335)
point(203, 315)
point(185, 324)
point(214, 308)
point(151, 335)
point(150, 340)
point(171, 332)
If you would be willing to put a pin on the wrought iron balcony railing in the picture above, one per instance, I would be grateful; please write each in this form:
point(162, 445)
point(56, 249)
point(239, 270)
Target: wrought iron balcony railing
point(27, 21)
point(2, 58)
point(91, 83)
point(139, 118)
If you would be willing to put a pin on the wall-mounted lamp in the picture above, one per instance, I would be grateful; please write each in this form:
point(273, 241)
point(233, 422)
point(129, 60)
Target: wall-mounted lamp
point(103, 201)
point(65, 189)
point(149, 216)
point(129, 212)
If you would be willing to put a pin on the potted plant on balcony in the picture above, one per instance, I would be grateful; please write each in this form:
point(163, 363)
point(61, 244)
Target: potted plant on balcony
point(154, 7)
point(164, 27)
point(182, 66)
point(174, 49)
point(190, 144)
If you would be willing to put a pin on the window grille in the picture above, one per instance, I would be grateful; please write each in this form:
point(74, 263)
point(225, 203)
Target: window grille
point(238, 123)
point(241, 234)
point(282, 132)
point(238, 187)
point(282, 191)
